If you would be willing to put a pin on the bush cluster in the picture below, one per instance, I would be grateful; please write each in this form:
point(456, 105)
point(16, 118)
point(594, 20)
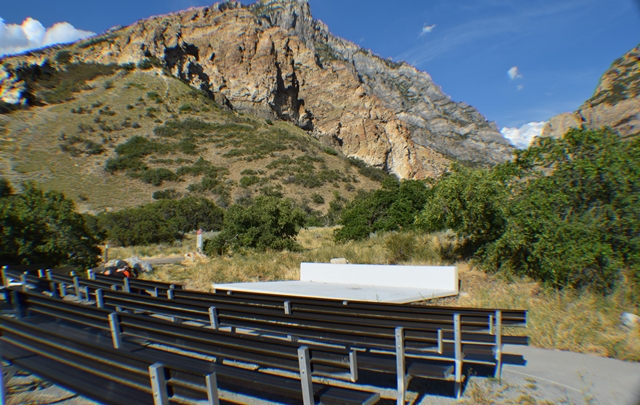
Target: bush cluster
point(38, 227)
point(268, 223)
point(393, 207)
point(162, 221)
point(565, 211)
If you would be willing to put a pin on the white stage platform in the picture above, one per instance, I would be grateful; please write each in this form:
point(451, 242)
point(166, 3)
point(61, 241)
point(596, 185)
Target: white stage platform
point(355, 282)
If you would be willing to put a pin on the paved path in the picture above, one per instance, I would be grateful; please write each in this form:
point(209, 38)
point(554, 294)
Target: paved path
point(556, 376)
point(580, 377)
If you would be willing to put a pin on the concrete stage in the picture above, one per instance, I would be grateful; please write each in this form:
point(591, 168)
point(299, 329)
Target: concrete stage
point(358, 282)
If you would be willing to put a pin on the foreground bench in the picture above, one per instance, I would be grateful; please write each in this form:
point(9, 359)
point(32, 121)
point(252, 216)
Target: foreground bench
point(77, 364)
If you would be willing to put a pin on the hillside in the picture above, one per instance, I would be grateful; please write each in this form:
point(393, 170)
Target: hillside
point(130, 132)
point(615, 102)
point(274, 61)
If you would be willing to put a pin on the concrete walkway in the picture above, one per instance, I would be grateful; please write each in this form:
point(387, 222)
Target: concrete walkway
point(551, 377)
point(581, 378)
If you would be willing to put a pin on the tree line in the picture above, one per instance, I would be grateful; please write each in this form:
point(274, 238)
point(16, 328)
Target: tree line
point(564, 211)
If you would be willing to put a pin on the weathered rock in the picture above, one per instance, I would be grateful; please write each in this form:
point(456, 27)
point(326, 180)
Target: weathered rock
point(272, 59)
point(615, 103)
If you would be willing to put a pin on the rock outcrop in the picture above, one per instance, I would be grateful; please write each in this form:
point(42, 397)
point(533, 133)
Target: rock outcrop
point(272, 59)
point(615, 103)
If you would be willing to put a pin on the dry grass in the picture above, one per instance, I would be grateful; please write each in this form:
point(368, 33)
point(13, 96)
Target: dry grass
point(567, 320)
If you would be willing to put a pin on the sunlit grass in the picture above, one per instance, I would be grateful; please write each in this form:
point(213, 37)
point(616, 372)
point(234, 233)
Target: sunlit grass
point(567, 320)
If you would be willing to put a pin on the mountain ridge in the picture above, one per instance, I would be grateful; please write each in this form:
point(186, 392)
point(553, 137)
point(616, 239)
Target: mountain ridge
point(615, 102)
point(273, 60)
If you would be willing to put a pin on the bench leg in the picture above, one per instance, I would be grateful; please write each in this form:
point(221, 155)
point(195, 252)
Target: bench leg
point(457, 333)
point(114, 325)
point(498, 349)
point(305, 375)
point(212, 389)
point(158, 384)
point(401, 369)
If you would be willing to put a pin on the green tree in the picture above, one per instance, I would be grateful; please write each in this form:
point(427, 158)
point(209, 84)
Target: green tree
point(39, 227)
point(393, 207)
point(574, 219)
point(471, 202)
point(161, 221)
point(269, 223)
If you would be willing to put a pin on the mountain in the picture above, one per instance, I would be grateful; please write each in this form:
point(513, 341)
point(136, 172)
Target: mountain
point(227, 83)
point(615, 102)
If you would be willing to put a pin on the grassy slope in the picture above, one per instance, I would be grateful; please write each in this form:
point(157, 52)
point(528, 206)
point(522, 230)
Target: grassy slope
point(115, 107)
point(566, 320)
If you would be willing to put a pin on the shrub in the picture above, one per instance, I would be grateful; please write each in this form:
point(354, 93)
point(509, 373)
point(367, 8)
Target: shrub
point(471, 203)
point(317, 198)
point(330, 151)
point(400, 247)
point(269, 223)
point(39, 227)
point(248, 181)
point(371, 172)
point(168, 194)
point(161, 221)
point(157, 176)
point(575, 214)
point(393, 207)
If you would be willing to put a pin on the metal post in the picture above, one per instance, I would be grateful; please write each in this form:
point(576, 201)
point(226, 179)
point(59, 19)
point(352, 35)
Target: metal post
point(401, 369)
point(17, 304)
point(498, 349)
point(170, 294)
point(158, 384)
point(353, 365)
point(457, 334)
point(114, 325)
point(53, 288)
point(90, 275)
point(99, 298)
point(213, 318)
point(63, 290)
point(3, 396)
point(49, 277)
point(126, 284)
point(305, 375)
point(40, 273)
point(105, 255)
point(156, 292)
point(86, 293)
point(4, 276)
point(287, 307)
point(114, 287)
point(440, 342)
point(76, 287)
point(23, 281)
point(491, 329)
point(212, 388)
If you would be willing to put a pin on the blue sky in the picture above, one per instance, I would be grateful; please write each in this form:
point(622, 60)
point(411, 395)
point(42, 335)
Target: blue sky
point(560, 47)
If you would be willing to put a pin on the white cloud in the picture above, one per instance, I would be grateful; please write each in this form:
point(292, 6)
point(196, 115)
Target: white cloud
point(514, 73)
point(31, 34)
point(426, 29)
point(521, 137)
point(519, 87)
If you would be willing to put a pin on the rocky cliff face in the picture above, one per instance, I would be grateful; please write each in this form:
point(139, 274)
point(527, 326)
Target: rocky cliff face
point(615, 103)
point(272, 59)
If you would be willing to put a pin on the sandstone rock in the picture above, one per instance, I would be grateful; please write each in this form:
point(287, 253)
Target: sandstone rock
point(615, 103)
point(272, 59)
